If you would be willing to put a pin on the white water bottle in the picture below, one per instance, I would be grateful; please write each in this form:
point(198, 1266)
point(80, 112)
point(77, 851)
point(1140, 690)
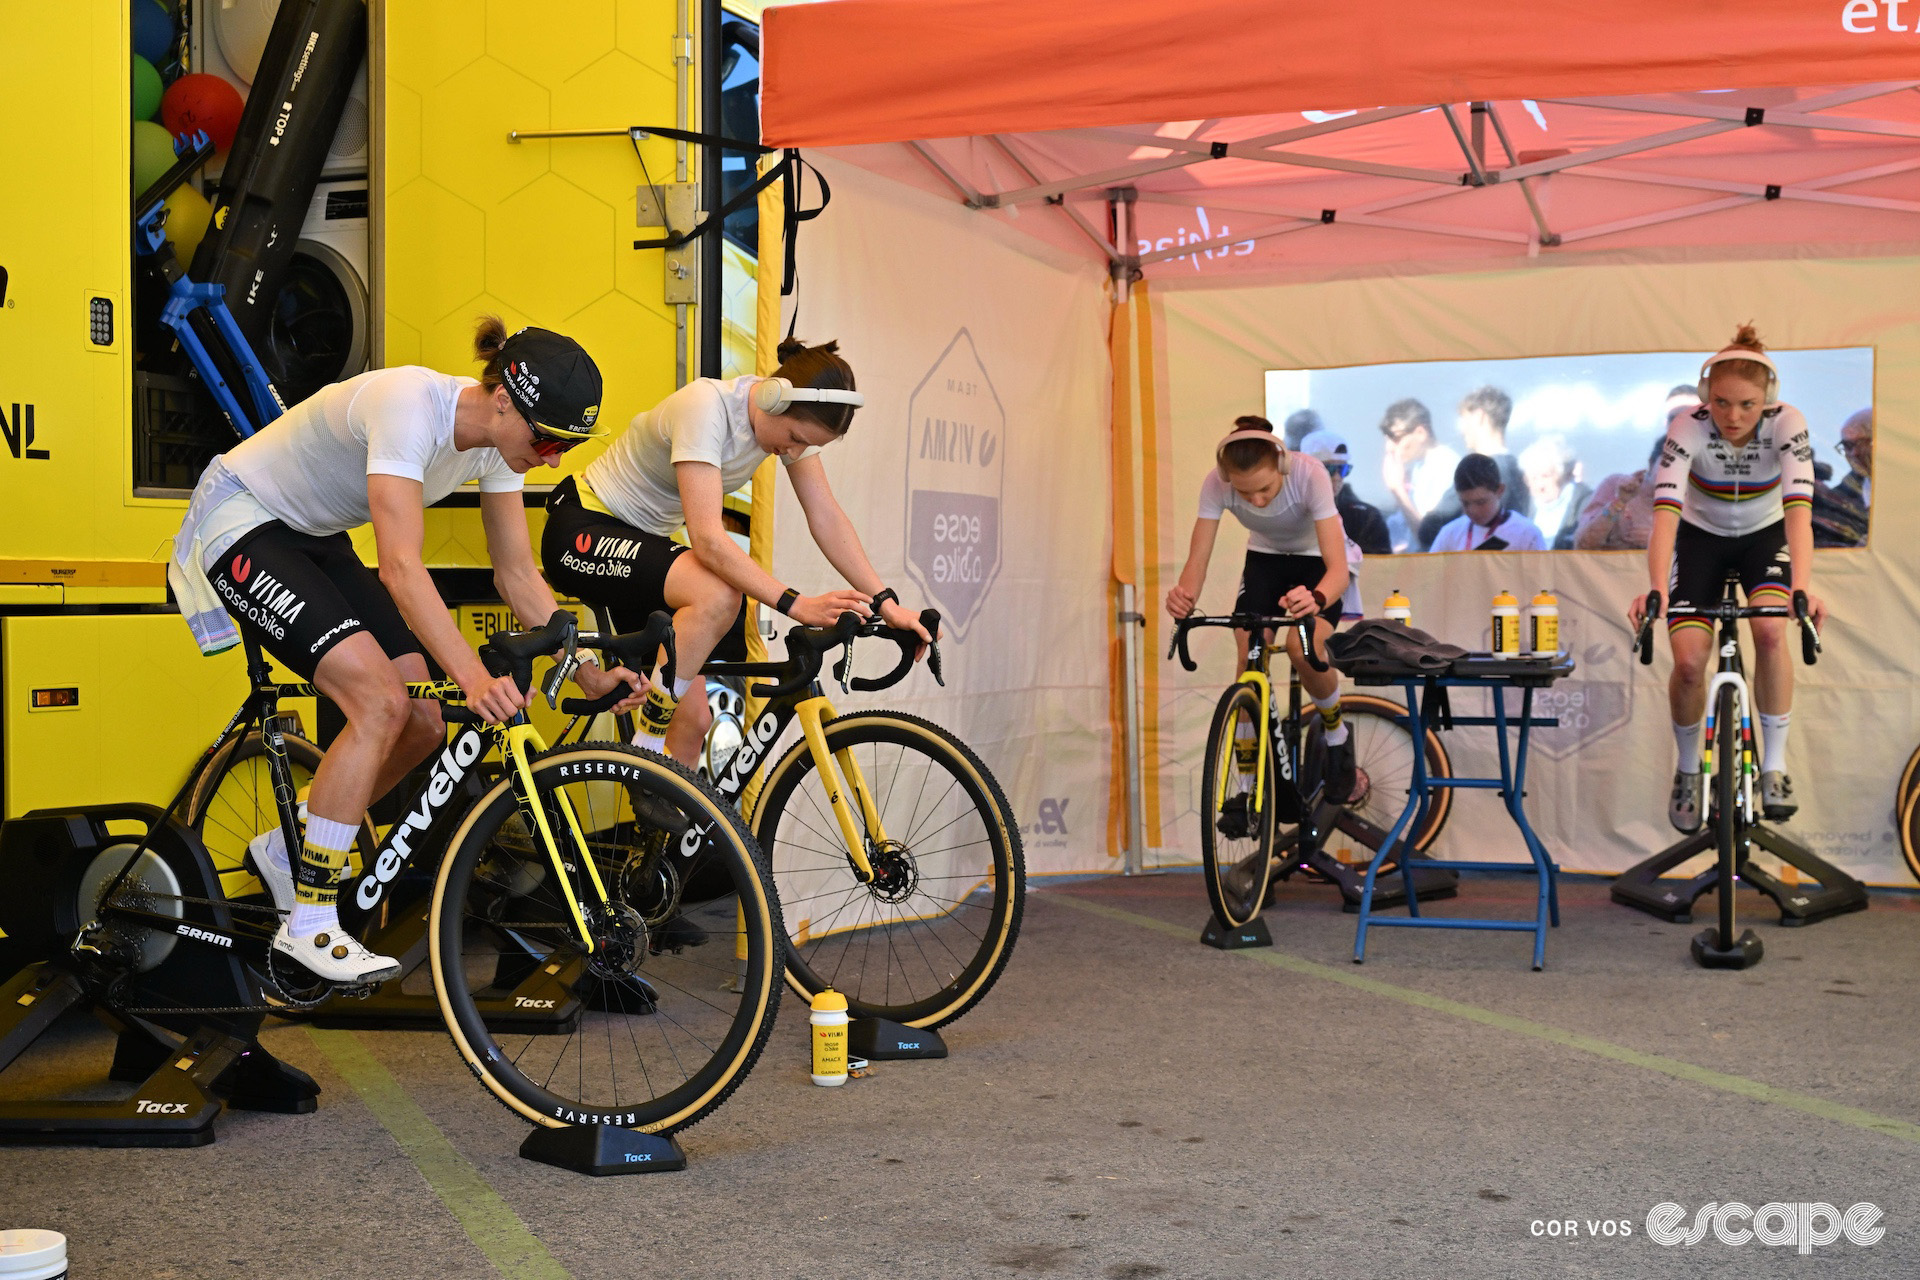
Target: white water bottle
point(33, 1255)
point(829, 1019)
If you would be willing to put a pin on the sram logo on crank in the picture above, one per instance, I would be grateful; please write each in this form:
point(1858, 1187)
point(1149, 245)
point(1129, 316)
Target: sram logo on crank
point(447, 773)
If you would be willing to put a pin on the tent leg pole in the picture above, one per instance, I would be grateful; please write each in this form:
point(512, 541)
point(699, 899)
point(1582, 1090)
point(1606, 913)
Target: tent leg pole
point(1130, 621)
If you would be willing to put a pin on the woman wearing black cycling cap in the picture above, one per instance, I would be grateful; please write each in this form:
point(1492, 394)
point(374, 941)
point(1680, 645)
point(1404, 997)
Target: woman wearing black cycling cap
point(264, 550)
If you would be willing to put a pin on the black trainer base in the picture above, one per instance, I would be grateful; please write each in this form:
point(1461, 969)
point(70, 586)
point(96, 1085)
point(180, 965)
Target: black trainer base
point(1832, 892)
point(879, 1040)
point(601, 1151)
point(1251, 934)
point(1429, 883)
point(1709, 954)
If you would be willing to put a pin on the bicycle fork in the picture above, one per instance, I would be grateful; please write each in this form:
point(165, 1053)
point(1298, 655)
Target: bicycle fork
point(518, 742)
point(813, 712)
point(1746, 765)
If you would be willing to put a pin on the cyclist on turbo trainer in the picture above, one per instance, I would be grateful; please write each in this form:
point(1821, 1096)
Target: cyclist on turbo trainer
point(264, 545)
point(1733, 493)
point(1296, 565)
point(609, 540)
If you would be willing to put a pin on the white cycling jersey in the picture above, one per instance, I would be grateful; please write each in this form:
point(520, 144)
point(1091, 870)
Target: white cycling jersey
point(1729, 491)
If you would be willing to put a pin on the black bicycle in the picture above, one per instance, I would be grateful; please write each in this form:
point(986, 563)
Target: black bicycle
point(895, 856)
point(547, 891)
point(1264, 814)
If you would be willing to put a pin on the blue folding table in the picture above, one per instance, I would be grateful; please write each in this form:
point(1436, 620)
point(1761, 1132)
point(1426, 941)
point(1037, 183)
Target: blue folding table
point(1426, 695)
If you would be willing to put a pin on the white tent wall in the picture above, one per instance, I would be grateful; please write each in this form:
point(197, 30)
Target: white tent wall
point(1597, 790)
point(977, 478)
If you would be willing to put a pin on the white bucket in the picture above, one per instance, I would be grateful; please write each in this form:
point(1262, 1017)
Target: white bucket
point(33, 1255)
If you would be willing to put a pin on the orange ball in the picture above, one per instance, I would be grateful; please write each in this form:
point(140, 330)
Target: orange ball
point(202, 102)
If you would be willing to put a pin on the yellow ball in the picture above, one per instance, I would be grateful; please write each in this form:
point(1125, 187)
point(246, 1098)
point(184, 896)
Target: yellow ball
point(187, 216)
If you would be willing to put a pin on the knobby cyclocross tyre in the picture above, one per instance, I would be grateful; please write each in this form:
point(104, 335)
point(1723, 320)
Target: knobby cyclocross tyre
point(231, 802)
point(1383, 763)
point(1236, 830)
point(682, 982)
point(1909, 784)
point(1910, 832)
point(933, 932)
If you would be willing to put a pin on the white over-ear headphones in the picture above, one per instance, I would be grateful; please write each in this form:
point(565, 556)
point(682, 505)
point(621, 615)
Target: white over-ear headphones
point(777, 395)
point(1742, 353)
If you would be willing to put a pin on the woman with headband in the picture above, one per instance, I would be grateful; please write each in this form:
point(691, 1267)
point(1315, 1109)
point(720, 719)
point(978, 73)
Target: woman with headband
point(1733, 493)
point(609, 540)
point(1296, 560)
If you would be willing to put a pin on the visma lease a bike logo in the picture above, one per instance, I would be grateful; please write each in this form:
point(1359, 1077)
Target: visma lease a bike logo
point(956, 431)
point(613, 557)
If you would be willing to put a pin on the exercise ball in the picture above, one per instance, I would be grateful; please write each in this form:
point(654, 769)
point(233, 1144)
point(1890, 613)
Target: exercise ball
point(152, 30)
point(152, 154)
point(146, 89)
point(202, 101)
point(187, 215)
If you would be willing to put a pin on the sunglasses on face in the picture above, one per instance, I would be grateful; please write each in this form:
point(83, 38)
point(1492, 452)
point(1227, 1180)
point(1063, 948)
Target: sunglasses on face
point(550, 447)
point(1340, 470)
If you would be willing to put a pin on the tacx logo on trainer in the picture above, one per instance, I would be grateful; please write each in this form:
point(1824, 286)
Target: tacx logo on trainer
point(447, 773)
point(142, 1107)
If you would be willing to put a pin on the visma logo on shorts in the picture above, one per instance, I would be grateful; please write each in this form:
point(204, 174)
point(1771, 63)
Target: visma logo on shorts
point(447, 772)
point(613, 556)
point(1802, 1226)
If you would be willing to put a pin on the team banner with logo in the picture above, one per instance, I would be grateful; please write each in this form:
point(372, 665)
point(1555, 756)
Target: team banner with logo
point(976, 477)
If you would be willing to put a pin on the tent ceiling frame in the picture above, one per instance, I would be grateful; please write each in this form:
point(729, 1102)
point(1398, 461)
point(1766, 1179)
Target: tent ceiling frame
point(1713, 119)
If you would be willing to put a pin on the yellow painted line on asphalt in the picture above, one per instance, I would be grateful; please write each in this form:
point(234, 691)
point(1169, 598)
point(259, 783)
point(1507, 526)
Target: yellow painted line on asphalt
point(1740, 1085)
point(495, 1229)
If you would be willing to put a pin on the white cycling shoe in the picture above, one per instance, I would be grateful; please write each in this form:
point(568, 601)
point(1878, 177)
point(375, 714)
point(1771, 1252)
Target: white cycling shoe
point(1686, 807)
point(337, 956)
point(1776, 796)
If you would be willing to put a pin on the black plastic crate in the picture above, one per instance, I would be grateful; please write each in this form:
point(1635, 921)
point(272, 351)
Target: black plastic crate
point(177, 430)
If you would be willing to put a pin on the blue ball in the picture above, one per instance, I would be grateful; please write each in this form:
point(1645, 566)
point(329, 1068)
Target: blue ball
point(153, 32)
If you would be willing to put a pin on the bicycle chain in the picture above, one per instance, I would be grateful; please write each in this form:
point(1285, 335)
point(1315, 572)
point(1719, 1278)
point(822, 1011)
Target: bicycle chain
point(265, 980)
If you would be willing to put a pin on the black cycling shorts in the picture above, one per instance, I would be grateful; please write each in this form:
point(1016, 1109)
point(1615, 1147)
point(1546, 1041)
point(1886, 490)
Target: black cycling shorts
point(618, 569)
point(1702, 561)
point(299, 596)
point(1267, 577)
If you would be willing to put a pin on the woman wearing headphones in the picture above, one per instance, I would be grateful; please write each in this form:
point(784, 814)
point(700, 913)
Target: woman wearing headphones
point(1296, 560)
point(1733, 492)
point(264, 543)
point(609, 541)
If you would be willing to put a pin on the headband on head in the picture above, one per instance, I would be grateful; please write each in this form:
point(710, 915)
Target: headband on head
point(1284, 461)
point(1742, 353)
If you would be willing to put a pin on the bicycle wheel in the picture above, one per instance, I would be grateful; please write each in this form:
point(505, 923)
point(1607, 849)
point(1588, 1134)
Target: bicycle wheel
point(932, 933)
point(1727, 770)
point(1383, 778)
point(681, 980)
point(231, 802)
point(1903, 793)
point(1237, 835)
point(1910, 832)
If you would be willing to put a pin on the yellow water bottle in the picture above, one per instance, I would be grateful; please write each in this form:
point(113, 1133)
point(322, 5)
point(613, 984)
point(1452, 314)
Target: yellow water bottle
point(1543, 639)
point(1399, 609)
point(829, 1019)
point(1506, 625)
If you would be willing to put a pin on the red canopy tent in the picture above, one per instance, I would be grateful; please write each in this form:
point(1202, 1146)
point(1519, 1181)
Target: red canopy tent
point(1391, 132)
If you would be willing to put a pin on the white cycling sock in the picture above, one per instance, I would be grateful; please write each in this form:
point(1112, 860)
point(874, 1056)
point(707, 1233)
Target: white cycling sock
point(324, 836)
point(1331, 720)
point(1688, 738)
point(681, 684)
point(1773, 742)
